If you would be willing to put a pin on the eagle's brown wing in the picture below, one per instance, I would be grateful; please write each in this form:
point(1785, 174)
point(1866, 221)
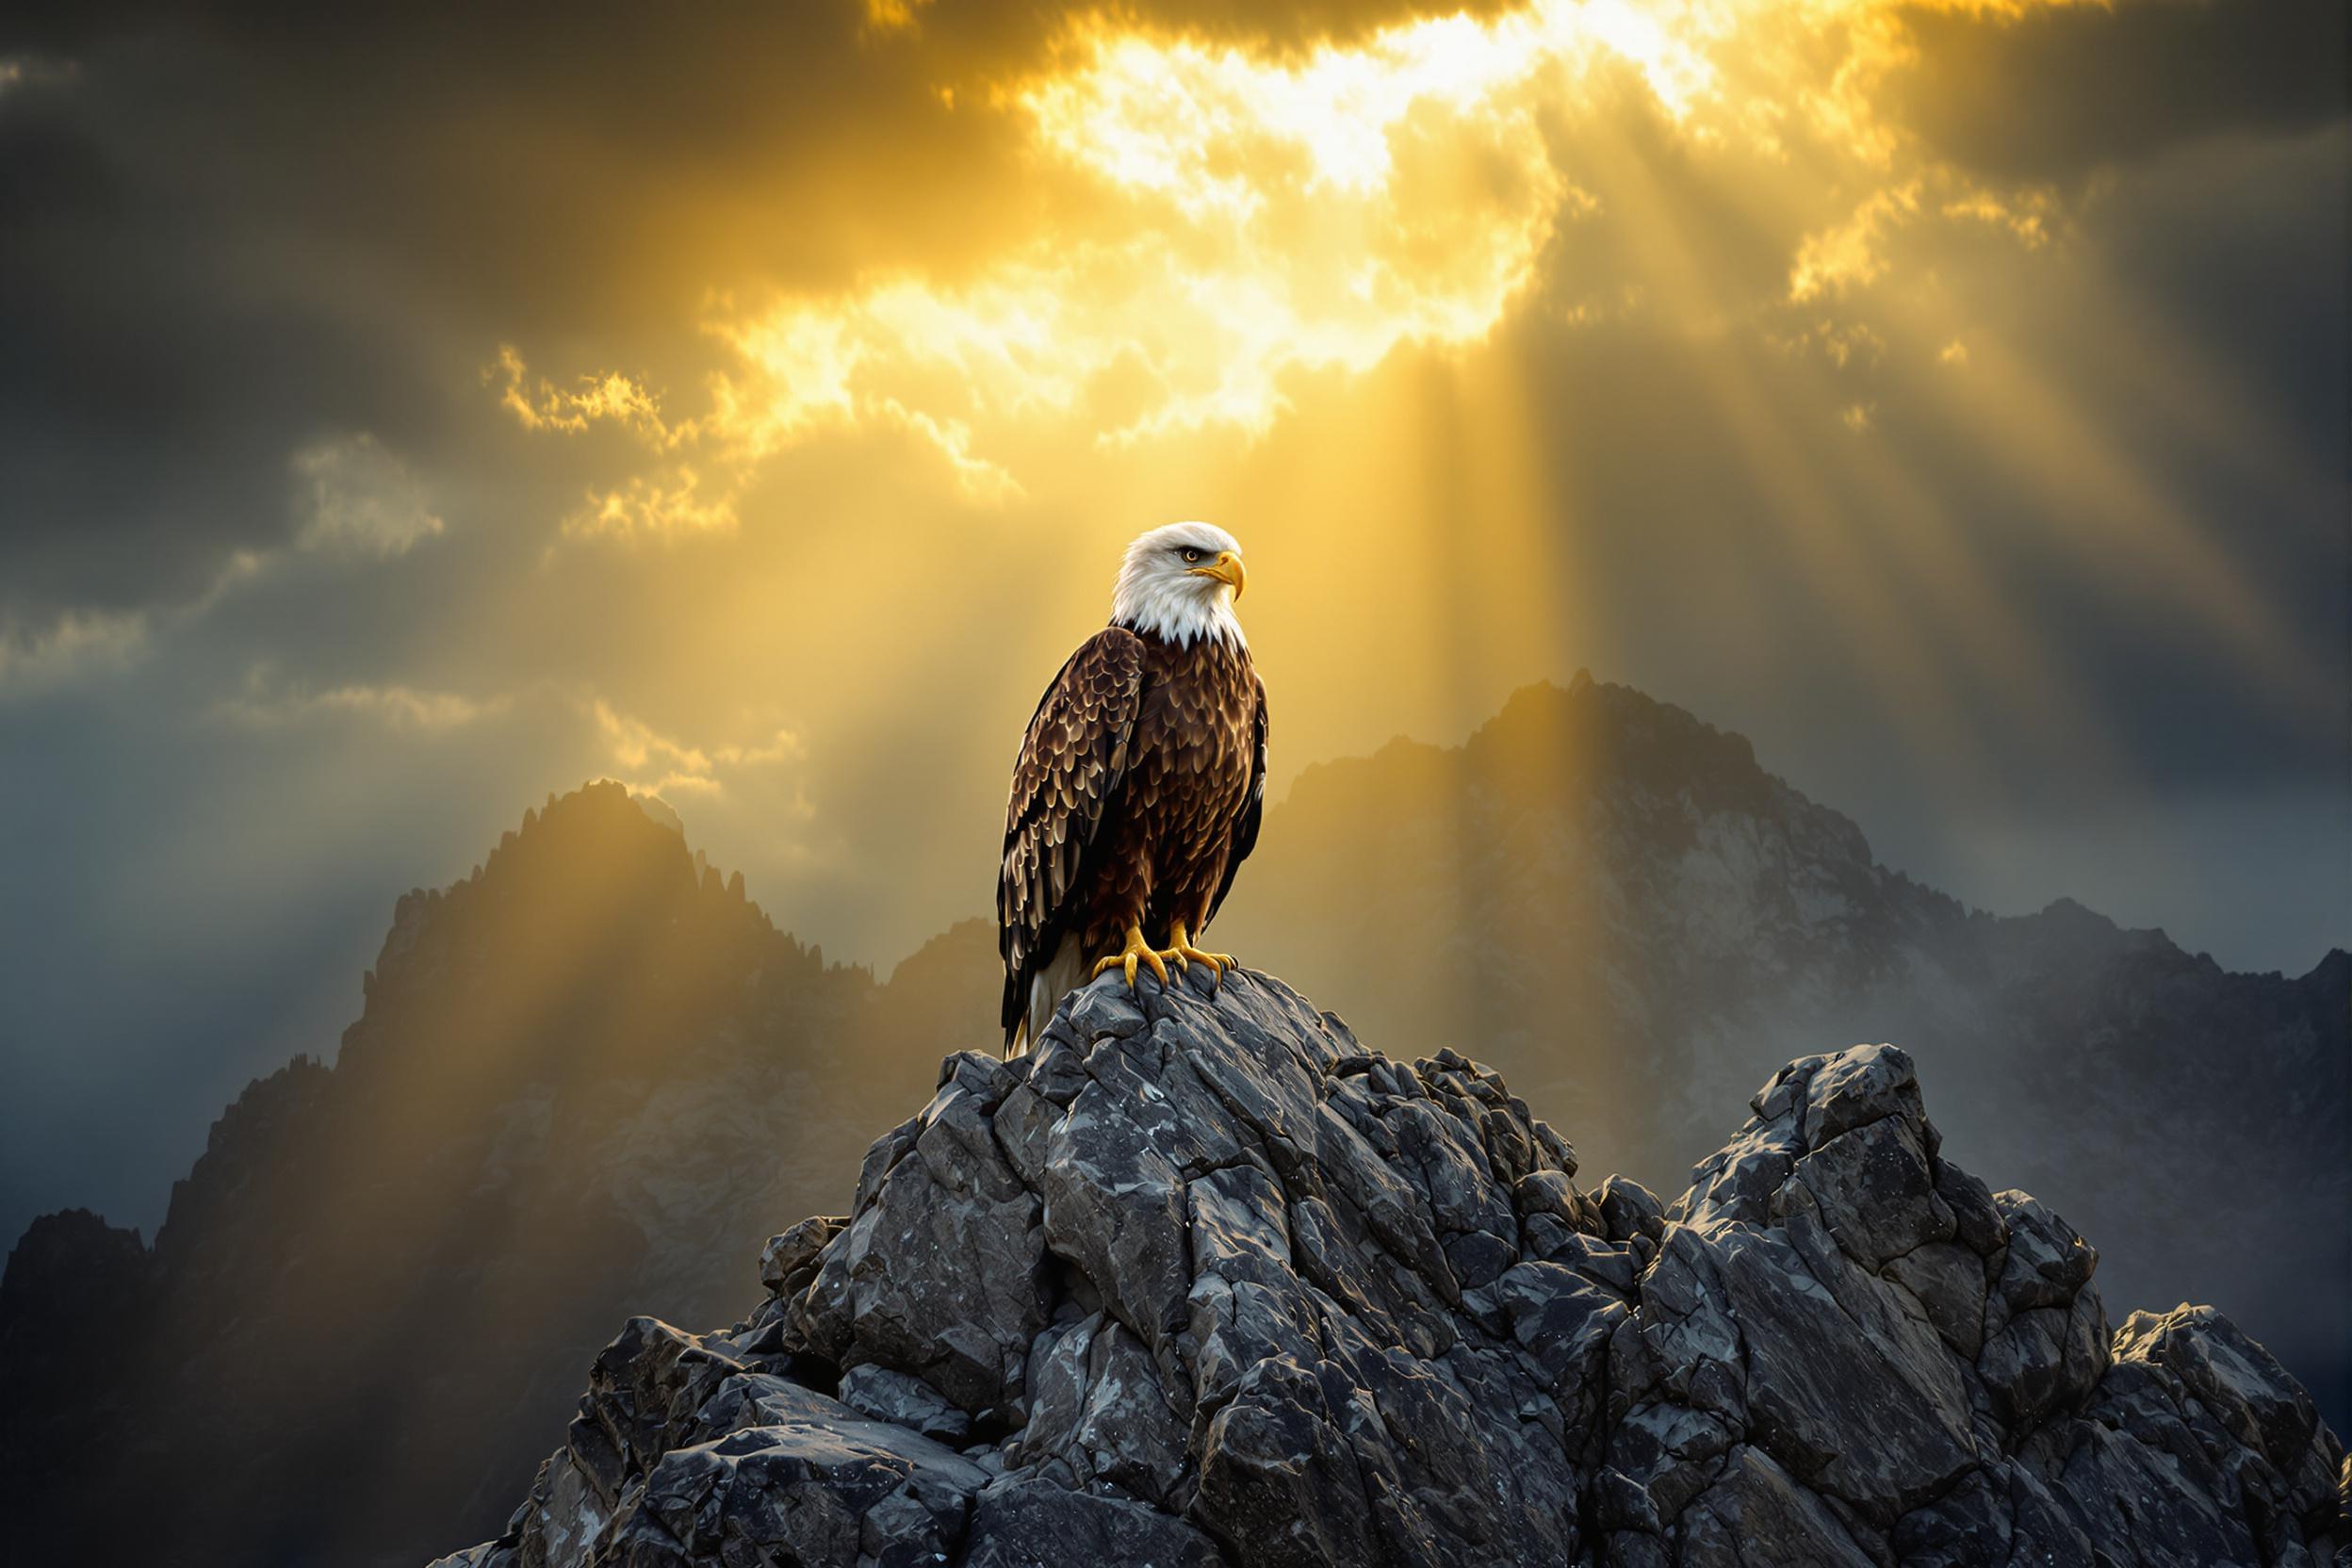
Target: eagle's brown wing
point(1071, 763)
point(1245, 827)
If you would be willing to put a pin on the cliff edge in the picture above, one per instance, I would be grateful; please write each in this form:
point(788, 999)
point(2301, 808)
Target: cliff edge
point(1203, 1280)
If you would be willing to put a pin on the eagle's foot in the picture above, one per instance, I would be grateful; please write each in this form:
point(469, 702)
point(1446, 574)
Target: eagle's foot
point(1137, 953)
point(1182, 950)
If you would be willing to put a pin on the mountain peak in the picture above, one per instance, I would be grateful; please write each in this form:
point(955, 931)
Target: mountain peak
point(2072, 912)
point(1550, 741)
point(660, 810)
point(596, 865)
point(1206, 1280)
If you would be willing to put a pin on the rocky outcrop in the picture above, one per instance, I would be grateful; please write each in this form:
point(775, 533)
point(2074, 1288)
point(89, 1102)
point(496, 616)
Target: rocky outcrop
point(1614, 904)
point(1206, 1280)
point(72, 1280)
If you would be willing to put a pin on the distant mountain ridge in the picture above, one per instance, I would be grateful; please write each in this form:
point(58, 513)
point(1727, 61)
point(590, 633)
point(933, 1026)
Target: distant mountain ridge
point(582, 1074)
point(590, 1077)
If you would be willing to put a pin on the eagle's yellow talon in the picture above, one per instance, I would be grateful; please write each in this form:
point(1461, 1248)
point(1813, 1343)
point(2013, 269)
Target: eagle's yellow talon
point(1135, 953)
point(1138, 954)
point(1183, 952)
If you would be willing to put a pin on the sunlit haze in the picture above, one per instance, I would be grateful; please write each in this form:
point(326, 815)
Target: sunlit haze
point(1947, 397)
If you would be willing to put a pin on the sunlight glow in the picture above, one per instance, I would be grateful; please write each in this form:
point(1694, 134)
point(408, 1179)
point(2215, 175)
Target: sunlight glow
point(1229, 234)
point(1272, 215)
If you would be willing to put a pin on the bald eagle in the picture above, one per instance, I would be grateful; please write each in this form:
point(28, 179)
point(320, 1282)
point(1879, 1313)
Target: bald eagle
point(1139, 784)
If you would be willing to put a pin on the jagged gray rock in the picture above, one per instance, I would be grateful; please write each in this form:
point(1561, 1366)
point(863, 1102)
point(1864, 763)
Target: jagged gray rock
point(1204, 1281)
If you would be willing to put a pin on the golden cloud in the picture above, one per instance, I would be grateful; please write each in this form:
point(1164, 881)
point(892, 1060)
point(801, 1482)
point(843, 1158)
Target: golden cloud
point(1230, 220)
point(661, 763)
point(609, 398)
point(396, 706)
point(649, 759)
point(667, 504)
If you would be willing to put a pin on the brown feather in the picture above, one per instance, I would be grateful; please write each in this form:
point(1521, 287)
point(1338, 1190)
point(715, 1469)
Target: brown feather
point(1136, 796)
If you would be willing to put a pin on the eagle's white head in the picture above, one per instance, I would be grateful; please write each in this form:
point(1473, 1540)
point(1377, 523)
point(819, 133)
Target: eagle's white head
point(1180, 583)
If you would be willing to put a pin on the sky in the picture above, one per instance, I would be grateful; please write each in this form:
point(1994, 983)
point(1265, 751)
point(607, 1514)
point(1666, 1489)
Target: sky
point(404, 415)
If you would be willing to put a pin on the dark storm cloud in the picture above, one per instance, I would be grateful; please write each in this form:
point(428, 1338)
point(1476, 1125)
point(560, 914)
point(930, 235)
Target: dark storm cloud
point(233, 228)
point(230, 233)
point(2051, 94)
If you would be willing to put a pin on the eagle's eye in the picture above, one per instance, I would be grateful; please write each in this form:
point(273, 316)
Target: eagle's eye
point(1190, 554)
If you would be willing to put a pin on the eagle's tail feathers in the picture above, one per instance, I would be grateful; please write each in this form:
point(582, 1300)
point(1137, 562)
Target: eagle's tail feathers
point(1063, 973)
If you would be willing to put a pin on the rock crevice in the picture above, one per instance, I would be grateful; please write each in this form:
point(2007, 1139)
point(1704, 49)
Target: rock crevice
point(1203, 1280)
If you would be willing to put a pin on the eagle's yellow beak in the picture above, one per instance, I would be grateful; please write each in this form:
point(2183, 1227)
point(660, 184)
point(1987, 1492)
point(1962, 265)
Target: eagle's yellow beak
point(1226, 568)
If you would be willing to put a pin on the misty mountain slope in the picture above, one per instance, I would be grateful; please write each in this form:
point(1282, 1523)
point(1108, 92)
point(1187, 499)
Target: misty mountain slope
point(591, 1073)
point(1614, 904)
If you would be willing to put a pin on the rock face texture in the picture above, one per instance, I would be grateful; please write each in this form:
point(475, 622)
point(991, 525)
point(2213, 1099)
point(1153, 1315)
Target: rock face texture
point(1204, 1281)
point(1615, 906)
